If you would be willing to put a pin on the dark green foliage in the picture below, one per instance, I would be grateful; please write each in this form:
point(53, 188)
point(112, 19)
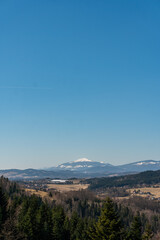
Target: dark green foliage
point(126, 215)
point(108, 226)
point(58, 223)
point(147, 178)
point(3, 207)
point(136, 228)
point(35, 219)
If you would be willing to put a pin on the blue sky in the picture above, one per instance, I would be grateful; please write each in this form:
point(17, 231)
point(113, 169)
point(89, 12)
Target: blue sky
point(79, 79)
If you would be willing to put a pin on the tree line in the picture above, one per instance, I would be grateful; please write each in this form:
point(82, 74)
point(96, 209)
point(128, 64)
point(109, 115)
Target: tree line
point(133, 180)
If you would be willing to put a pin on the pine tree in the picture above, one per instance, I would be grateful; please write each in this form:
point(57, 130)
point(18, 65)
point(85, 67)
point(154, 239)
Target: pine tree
point(58, 224)
point(73, 225)
point(136, 228)
point(108, 226)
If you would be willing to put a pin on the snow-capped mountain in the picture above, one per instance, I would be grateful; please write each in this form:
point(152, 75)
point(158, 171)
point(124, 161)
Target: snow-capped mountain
point(84, 165)
point(142, 166)
point(87, 166)
point(77, 164)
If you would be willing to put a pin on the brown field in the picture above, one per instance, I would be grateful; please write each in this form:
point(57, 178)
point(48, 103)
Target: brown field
point(62, 188)
point(155, 192)
point(37, 192)
point(67, 187)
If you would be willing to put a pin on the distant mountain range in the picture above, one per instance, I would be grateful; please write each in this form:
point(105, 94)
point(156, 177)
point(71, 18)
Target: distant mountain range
point(85, 165)
point(82, 168)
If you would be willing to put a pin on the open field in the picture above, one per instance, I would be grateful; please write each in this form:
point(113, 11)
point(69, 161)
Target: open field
point(67, 187)
point(37, 192)
point(62, 188)
point(145, 192)
point(118, 193)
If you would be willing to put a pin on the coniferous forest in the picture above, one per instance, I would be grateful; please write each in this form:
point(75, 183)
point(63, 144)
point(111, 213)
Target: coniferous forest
point(77, 217)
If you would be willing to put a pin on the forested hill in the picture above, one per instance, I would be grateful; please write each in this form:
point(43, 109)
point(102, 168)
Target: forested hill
point(78, 216)
point(147, 178)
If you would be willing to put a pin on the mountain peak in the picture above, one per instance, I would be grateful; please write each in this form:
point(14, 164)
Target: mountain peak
point(83, 160)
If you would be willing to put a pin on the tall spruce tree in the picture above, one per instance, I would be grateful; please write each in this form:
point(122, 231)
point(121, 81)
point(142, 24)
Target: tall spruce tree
point(108, 226)
point(58, 218)
point(136, 228)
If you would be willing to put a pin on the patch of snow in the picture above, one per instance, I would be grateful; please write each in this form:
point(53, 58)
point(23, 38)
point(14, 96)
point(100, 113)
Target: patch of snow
point(68, 166)
point(78, 166)
point(63, 166)
point(145, 163)
point(140, 163)
point(82, 166)
point(83, 160)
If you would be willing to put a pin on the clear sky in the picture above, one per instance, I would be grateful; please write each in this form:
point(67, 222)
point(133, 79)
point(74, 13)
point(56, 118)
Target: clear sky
point(79, 78)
